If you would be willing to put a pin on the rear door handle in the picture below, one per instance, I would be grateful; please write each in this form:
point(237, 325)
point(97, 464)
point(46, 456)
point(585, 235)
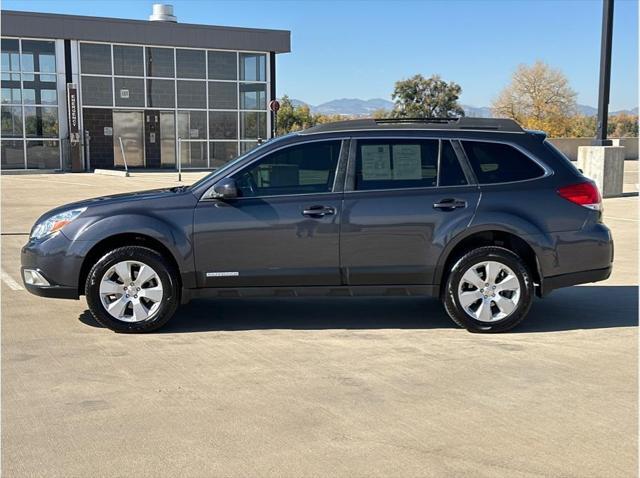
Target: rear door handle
point(450, 203)
point(318, 211)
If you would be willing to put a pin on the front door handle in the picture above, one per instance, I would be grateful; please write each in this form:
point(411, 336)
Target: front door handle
point(449, 204)
point(318, 211)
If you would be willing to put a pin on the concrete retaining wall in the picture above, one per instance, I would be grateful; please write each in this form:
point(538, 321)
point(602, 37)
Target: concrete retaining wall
point(569, 146)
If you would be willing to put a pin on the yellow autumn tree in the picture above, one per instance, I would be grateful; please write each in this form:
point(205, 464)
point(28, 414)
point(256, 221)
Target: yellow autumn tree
point(538, 97)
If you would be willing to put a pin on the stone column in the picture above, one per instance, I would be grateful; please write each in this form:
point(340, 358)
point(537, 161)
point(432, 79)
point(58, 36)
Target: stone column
point(605, 165)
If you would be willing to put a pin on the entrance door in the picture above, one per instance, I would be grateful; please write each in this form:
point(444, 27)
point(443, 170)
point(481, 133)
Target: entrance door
point(128, 127)
point(152, 138)
point(167, 139)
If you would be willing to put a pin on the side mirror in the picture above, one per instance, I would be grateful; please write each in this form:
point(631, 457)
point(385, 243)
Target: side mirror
point(224, 189)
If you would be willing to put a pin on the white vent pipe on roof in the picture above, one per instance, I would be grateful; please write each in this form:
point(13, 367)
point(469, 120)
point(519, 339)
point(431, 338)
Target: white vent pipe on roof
point(162, 13)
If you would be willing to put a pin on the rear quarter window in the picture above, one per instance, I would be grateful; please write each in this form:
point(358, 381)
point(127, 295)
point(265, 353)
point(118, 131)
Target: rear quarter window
point(500, 163)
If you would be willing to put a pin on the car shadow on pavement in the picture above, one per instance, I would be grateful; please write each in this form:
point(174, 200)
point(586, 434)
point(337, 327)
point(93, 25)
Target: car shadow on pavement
point(585, 307)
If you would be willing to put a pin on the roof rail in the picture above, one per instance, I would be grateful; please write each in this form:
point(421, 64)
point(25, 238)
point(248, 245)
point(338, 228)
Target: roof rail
point(462, 123)
point(415, 120)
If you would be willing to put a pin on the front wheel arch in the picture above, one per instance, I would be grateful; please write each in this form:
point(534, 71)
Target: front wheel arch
point(122, 240)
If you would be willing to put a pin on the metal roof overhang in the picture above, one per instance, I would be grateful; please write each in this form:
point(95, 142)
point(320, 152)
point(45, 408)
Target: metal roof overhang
point(141, 32)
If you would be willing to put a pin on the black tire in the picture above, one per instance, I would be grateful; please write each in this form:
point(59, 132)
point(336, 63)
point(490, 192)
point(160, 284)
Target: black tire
point(489, 253)
point(168, 278)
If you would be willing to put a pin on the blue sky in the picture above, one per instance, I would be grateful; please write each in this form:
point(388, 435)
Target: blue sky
point(359, 48)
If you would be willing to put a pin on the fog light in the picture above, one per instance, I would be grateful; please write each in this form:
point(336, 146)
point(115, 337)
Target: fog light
point(33, 277)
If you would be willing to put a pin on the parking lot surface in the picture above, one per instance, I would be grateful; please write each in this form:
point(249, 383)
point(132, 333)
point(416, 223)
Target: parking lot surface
point(347, 387)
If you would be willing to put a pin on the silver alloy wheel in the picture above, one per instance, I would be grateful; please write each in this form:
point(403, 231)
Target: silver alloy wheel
point(131, 291)
point(489, 291)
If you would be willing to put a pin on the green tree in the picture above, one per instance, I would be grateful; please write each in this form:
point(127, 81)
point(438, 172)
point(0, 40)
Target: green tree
point(293, 118)
point(420, 97)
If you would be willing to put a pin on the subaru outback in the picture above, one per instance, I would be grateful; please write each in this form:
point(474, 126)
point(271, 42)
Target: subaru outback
point(477, 212)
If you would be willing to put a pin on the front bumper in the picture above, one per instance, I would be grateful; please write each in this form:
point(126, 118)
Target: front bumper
point(53, 259)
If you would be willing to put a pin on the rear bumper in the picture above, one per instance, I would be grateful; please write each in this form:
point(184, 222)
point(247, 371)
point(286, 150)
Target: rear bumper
point(574, 278)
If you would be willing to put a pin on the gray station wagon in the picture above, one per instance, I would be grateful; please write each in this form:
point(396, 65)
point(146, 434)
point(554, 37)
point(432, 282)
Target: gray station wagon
point(477, 212)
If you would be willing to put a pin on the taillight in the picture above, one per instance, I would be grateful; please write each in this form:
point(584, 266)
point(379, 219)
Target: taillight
point(584, 194)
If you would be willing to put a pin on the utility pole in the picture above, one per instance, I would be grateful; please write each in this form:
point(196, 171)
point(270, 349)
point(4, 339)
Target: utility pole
point(605, 74)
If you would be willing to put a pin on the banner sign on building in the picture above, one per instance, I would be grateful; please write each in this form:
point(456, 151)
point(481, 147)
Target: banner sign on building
point(75, 154)
point(74, 126)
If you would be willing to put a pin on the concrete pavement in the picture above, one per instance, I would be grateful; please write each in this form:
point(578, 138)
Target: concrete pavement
point(315, 387)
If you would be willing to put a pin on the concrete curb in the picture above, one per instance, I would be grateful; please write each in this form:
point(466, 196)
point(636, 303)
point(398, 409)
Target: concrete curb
point(22, 172)
point(112, 172)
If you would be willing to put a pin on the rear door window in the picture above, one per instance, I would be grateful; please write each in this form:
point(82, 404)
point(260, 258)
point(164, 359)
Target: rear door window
point(451, 173)
point(500, 163)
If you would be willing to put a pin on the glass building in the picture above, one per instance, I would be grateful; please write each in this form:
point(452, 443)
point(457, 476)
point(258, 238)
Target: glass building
point(148, 91)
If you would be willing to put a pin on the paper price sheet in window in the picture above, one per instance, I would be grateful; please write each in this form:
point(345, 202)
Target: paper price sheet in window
point(376, 162)
point(407, 162)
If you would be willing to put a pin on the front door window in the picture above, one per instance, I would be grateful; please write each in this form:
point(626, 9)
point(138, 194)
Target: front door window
point(302, 169)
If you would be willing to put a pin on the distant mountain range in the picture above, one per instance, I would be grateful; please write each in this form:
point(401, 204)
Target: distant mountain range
point(358, 107)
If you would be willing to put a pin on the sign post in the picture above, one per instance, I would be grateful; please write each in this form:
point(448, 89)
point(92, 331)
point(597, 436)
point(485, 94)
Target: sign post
point(179, 160)
point(74, 128)
point(274, 106)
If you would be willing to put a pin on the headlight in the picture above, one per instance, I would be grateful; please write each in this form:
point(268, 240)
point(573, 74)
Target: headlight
point(55, 223)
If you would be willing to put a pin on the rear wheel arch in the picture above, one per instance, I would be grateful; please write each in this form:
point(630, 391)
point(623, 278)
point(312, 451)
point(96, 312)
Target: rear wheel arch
point(488, 237)
point(122, 240)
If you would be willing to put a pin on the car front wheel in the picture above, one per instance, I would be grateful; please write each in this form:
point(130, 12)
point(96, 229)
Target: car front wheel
point(132, 289)
point(489, 289)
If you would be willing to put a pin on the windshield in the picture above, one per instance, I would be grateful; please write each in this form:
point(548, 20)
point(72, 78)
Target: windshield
point(233, 162)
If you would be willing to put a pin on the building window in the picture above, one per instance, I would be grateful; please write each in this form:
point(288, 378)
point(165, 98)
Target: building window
point(10, 56)
point(43, 154)
point(12, 122)
point(221, 152)
point(97, 91)
point(127, 60)
point(29, 113)
point(38, 56)
point(129, 91)
point(41, 121)
point(161, 94)
point(192, 124)
point(223, 95)
point(223, 125)
point(190, 63)
point(12, 152)
point(253, 67)
point(160, 62)
point(246, 146)
point(223, 65)
point(95, 58)
point(253, 96)
point(192, 94)
point(253, 125)
point(40, 90)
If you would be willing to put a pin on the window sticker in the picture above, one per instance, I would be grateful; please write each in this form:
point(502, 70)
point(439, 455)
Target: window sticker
point(376, 162)
point(407, 161)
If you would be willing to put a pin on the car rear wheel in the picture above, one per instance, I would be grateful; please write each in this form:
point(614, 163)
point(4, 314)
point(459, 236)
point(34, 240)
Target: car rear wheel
point(489, 289)
point(132, 289)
